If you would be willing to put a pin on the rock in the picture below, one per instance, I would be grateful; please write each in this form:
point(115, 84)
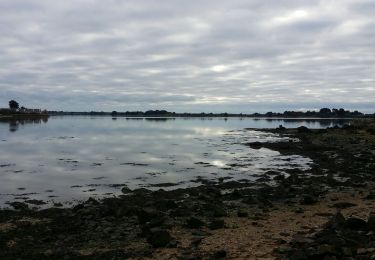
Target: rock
point(356, 223)
point(48, 252)
point(370, 196)
point(19, 205)
point(126, 190)
point(309, 200)
point(337, 221)
point(147, 214)
point(255, 145)
point(344, 205)
point(299, 211)
point(361, 251)
point(220, 254)
point(36, 202)
point(92, 201)
point(371, 221)
point(217, 224)
point(242, 213)
point(159, 238)
point(284, 249)
point(194, 222)
point(303, 129)
point(326, 249)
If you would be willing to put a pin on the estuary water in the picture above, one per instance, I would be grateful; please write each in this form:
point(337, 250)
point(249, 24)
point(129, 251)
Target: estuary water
point(68, 159)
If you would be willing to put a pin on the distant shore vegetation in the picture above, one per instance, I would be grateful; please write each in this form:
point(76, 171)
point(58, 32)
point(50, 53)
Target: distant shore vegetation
point(322, 113)
point(14, 109)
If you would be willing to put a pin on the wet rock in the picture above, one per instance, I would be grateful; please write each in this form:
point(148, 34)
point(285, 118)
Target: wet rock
point(19, 205)
point(159, 238)
point(309, 199)
point(344, 205)
point(371, 196)
point(217, 224)
point(126, 190)
point(194, 222)
point(242, 213)
point(371, 221)
point(255, 145)
point(219, 254)
point(337, 221)
point(36, 202)
point(326, 249)
point(303, 129)
point(356, 223)
point(147, 214)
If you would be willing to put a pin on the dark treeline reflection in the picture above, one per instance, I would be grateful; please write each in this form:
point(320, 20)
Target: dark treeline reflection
point(15, 123)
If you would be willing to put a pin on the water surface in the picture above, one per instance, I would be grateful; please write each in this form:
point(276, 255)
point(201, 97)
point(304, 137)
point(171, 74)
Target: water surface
point(72, 158)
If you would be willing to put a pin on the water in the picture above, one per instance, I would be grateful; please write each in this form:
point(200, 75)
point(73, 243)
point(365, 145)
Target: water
point(72, 158)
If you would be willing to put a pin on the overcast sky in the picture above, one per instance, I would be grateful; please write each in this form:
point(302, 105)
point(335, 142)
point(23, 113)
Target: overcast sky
point(188, 55)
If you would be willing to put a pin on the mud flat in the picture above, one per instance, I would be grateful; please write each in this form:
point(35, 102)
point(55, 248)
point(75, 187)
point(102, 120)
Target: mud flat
point(321, 213)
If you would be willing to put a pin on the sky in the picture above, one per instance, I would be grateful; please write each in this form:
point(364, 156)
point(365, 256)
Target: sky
point(196, 56)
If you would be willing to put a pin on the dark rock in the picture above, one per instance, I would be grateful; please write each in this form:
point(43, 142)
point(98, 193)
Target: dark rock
point(356, 223)
point(217, 224)
point(337, 221)
point(299, 211)
point(303, 129)
point(220, 254)
point(126, 190)
point(309, 200)
point(159, 238)
point(371, 221)
point(36, 202)
point(344, 205)
point(255, 145)
point(326, 249)
point(19, 205)
point(370, 196)
point(194, 222)
point(147, 214)
point(242, 213)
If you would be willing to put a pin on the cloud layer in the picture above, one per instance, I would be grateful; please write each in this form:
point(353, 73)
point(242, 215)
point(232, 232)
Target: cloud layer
point(235, 56)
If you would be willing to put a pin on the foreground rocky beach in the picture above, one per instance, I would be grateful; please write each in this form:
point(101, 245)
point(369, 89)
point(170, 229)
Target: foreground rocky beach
point(321, 213)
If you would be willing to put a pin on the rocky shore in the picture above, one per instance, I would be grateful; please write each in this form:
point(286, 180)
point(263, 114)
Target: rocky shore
point(321, 213)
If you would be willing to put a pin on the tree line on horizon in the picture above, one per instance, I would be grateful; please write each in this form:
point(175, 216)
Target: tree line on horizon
point(323, 113)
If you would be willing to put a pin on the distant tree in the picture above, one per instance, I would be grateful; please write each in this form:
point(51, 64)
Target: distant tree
point(341, 112)
point(13, 105)
point(114, 113)
point(325, 111)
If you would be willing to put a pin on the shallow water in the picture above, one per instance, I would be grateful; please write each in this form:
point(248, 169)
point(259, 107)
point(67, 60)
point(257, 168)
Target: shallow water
point(73, 158)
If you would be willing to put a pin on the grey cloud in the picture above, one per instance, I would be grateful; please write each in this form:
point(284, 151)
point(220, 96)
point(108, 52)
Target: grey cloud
point(186, 55)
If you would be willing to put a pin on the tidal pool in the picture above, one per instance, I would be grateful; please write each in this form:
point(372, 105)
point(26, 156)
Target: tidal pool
point(67, 159)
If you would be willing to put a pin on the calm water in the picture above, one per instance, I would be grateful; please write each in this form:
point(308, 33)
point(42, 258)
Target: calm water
point(73, 158)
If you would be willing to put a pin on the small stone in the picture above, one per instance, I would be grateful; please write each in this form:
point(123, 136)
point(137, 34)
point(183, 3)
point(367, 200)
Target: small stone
point(309, 200)
point(48, 252)
point(194, 222)
point(356, 223)
point(217, 224)
point(220, 254)
point(326, 249)
point(126, 190)
point(371, 221)
point(159, 238)
point(242, 214)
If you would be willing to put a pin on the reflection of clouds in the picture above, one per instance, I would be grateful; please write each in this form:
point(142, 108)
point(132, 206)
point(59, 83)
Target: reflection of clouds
point(125, 141)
